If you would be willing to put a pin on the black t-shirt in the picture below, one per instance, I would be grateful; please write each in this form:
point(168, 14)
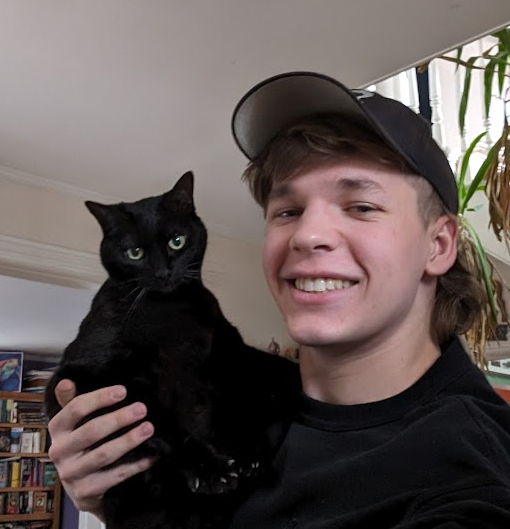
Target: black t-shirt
point(435, 456)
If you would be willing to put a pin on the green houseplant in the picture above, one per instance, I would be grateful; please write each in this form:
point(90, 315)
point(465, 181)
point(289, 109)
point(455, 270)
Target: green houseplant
point(492, 178)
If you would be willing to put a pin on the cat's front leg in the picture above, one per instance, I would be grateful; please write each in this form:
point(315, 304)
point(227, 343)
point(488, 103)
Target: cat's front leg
point(209, 471)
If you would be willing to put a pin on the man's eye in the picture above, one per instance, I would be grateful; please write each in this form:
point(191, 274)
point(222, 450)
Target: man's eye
point(282, 213)
point(362, 208)
point(287, 213)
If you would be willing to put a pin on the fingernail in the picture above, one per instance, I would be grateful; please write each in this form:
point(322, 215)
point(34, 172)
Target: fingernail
point(65, 385)
point(118, 392)
point(146, 429)
point(139, 410)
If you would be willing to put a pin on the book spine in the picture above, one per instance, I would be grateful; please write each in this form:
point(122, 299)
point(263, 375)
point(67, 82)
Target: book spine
point(15, 473)
point(37, 442)
point(27, 442)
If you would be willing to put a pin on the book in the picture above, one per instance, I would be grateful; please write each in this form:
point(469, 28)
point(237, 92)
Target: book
point(16, 439)
point(15, 473)
point(40, 500)
point(12, 506)
point(26, 471)
point(27, 442)
point(4, 473)
point(49, 474)
point(36, 447)
point(5, 439)
point(24, 502)
point(35, 380)
point(9, 411)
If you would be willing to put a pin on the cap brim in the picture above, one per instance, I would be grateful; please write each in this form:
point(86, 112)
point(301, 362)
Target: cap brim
point(278, 101)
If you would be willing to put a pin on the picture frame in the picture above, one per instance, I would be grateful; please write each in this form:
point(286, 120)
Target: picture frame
point(11, 370)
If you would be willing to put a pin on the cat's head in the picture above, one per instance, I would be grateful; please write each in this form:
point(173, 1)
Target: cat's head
point(157, 243)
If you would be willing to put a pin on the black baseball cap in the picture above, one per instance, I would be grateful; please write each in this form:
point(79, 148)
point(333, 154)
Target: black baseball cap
point(275, 103)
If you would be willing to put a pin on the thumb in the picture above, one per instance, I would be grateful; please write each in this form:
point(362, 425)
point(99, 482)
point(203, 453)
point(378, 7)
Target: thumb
point(65, 391)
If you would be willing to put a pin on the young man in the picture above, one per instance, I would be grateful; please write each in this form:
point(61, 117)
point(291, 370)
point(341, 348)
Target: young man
point(397, 427)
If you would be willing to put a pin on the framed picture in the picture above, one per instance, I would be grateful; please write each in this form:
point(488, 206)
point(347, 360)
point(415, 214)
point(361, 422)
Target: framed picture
point(11, 371)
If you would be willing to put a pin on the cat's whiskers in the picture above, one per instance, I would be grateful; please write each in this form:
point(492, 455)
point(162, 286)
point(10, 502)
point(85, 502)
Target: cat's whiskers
point(190, 275)
point(215, 276)
point(126, 297)
point(133, 306)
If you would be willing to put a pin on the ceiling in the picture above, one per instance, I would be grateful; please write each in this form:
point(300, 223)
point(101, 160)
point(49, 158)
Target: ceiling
point(117, 98)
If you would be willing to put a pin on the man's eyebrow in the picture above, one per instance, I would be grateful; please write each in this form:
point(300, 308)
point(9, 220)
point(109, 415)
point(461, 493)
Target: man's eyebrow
point(279, 190)
point(358, 184)
point(284, 189)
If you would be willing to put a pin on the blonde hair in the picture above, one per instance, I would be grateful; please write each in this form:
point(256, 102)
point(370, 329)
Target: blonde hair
point(327, 139)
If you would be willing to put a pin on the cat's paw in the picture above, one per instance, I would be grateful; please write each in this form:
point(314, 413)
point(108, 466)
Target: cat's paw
point(213, 481)
point(223, 482)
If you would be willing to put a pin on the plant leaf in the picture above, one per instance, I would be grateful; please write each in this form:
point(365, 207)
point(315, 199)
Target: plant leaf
point(463, 63)
point(504, 38)
point(465, 94)
point(477, 179)
point(488, 77)
point(501, 68)
point(485, 267)
point(465, 164)
point(458, 57)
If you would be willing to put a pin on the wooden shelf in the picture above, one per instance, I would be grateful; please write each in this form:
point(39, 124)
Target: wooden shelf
point(26, 494)
point(20, 489)
point(26, 517)
point(22, 397)
point(23, 454)
point(23, 425)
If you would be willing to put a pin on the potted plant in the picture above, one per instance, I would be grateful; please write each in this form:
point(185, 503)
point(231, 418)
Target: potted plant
point(492, 178)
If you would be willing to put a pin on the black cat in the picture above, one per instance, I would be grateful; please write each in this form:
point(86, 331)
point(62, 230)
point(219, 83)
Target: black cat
point(220, 407)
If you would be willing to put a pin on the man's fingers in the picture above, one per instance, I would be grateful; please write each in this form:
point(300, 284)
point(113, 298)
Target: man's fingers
point(86, 473)
point(87, 491)
point(65, 392)
point(109, 452)
point(80, 439)
point(77, 408)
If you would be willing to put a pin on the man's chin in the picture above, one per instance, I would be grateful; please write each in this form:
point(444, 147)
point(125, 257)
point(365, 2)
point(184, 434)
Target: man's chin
point(312, 338)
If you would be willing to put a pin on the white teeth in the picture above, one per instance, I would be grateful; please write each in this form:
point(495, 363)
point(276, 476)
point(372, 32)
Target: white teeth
point(308, 285)
point(320, 284)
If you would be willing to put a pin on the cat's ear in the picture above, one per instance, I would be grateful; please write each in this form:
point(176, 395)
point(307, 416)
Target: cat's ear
point(106, 215)
point(180, 197)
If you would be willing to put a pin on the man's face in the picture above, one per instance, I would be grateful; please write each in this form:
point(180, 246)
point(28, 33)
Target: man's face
point(345, 255)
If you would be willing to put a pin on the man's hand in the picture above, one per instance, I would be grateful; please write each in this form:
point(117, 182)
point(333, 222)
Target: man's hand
point(81, 470)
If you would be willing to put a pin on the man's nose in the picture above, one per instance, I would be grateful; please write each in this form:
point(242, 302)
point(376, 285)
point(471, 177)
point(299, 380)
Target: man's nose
point(317, 229)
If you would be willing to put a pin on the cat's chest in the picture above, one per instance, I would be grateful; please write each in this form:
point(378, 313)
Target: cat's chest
point(159, 319)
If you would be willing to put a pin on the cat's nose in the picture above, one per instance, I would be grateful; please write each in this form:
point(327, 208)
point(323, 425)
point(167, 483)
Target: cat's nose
point(162, 274)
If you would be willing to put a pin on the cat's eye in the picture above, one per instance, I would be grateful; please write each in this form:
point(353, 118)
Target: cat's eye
point(135, 253)
point(177, 242)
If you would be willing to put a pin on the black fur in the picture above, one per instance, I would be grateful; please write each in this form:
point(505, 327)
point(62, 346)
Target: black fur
point(220, 407)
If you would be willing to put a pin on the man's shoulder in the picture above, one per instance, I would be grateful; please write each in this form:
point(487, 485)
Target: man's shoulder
point(467, 423)
point(458, 392)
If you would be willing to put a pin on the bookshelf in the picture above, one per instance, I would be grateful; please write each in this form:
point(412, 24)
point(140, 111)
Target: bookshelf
point(29, 486)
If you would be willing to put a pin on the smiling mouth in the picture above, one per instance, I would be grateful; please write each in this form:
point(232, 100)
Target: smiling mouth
point(319, 284)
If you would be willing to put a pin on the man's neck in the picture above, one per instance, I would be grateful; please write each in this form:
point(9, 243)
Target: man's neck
point(358, 376)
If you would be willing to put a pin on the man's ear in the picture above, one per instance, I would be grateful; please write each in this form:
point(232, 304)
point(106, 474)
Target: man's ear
point(444, 232)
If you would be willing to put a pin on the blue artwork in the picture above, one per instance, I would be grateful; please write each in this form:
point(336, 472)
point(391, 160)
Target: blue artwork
point(11, 371)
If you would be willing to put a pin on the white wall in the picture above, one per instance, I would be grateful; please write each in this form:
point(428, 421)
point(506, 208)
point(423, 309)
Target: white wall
point(49, 236)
